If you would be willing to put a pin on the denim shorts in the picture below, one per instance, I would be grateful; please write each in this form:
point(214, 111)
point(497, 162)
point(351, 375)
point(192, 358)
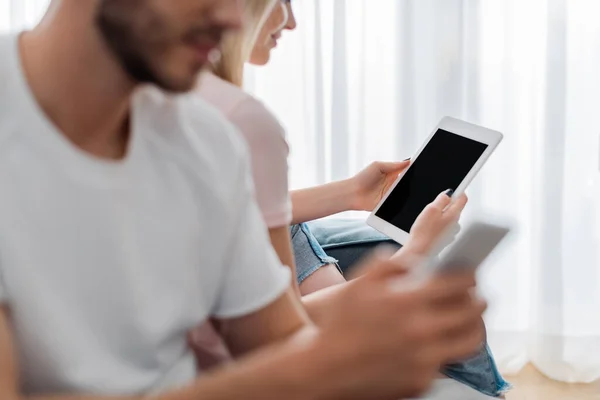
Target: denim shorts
point(313, 241)
point(308, 253)
point(348, 241)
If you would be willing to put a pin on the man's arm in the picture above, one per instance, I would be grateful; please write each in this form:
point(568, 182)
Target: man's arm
point(341, 360)
point(315, 304)
point(280, 320)
point(282, 243)
point(318, 305)
point(8, 364)
point(276, 372)
point(9, 378)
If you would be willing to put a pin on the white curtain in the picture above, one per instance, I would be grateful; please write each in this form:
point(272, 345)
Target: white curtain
point(364, 80)
point(16, 15)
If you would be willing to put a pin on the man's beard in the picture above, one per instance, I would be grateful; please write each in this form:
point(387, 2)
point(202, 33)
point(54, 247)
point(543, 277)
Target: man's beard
point(114, 19)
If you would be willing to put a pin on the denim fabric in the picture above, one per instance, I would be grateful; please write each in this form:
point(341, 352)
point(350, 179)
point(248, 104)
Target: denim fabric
point(479, 372)
point(348, 241)
point(308, 254)
point(333, 233)
point(337, 235)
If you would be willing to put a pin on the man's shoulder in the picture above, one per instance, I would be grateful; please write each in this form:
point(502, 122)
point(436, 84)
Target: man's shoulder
point(191, 118)
point(194, 132)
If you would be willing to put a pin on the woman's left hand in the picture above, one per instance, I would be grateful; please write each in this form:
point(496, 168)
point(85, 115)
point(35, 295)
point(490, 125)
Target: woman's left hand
point(373, 182)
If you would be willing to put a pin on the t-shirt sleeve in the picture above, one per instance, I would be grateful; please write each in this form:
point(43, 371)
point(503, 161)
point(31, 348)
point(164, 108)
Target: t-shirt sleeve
point(254, 276)
point(3, 294)
point(269, 152)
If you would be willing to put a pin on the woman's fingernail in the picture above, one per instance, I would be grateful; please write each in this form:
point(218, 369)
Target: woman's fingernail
point(449, 192)
point(408, 159)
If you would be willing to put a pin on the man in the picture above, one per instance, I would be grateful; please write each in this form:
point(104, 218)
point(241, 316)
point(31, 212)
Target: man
point(127, 219)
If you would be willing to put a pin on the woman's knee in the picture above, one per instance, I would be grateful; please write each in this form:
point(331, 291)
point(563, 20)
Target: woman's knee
point(324, 277)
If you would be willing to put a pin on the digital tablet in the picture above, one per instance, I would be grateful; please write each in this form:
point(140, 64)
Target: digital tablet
point(449, 159)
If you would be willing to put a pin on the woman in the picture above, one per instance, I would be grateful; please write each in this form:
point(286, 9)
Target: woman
point(266, 138)
point(266, 20)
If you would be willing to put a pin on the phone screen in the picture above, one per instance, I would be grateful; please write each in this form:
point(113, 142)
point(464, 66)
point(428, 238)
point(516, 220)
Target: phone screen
point(443, 164)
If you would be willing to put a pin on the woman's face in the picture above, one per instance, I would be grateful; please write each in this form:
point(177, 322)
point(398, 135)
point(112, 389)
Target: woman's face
point(281, 18)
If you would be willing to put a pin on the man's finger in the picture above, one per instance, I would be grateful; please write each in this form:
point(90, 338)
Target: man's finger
point(446, 286)
point(457, 319)
point(376, 264)
point(460, 345)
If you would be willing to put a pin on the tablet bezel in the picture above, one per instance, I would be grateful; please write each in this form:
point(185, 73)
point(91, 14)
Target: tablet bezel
point(461, 128)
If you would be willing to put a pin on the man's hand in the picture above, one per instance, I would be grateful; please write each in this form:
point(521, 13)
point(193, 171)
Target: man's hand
point(373, 182)
point(388, 341)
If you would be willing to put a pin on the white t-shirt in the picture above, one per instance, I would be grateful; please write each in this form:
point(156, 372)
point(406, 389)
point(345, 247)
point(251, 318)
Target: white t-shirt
point(106, 266)
point(266, 139)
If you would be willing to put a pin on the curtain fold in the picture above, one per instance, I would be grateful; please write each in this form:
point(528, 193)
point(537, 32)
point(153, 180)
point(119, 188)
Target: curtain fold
point(16, 15)
point(391, 69)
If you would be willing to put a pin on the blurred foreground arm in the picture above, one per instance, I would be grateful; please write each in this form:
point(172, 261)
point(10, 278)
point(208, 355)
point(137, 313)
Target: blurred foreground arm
point(381, 339)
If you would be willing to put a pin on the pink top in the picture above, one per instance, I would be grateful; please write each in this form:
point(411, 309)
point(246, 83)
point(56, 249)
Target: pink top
point(268, 148)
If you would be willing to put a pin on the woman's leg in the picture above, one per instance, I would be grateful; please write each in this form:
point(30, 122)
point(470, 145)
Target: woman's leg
point(324, 277)
point(315, 269)
point(323, 260)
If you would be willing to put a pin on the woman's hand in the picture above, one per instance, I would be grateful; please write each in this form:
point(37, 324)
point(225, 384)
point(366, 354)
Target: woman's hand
point(437, 219)
point(373, 182)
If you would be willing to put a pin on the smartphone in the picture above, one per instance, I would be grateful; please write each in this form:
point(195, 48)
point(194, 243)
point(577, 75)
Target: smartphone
point(477, 242)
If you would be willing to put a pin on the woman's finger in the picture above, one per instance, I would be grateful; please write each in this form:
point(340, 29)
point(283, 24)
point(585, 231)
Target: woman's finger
point(442, 201)
point(458, 205)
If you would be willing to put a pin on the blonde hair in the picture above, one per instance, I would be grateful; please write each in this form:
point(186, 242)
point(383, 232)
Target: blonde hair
point(236, 47)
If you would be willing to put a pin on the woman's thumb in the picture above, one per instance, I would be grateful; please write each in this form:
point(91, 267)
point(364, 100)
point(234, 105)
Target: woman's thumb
point(388, 167)
point(443, 200)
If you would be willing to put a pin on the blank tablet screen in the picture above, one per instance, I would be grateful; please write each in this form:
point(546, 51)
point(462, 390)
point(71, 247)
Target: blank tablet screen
point(443, 164)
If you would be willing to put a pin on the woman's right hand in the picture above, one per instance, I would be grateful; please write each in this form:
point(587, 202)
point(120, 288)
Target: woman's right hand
point(438, 218)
